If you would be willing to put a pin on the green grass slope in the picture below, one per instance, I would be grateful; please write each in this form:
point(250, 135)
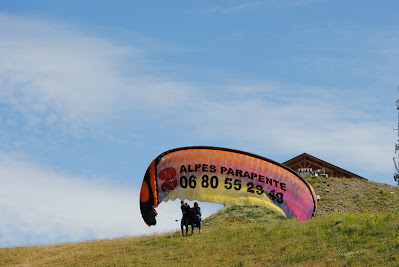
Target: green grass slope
point(357, 225)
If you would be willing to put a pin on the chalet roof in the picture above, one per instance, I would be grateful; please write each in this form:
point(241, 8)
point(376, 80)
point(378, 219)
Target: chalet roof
point(308, 161)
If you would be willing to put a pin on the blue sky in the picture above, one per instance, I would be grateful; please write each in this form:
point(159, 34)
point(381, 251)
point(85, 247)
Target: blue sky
point(91, 92)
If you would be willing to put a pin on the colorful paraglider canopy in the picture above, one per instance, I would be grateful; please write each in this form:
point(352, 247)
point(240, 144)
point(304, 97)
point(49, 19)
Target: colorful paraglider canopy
point(226, 176)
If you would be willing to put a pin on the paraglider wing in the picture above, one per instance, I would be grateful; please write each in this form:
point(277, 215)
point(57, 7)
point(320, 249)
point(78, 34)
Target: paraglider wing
point(226, 176)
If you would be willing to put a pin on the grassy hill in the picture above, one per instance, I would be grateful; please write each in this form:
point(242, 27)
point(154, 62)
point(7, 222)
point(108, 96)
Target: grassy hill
point(357, 224)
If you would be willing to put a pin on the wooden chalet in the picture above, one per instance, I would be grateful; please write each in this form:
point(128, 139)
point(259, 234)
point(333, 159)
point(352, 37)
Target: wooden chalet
point(306, 164)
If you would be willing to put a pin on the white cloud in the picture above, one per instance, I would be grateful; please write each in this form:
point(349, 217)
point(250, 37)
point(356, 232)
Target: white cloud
point(329, 125)
point(39, 206)
point(63, 76)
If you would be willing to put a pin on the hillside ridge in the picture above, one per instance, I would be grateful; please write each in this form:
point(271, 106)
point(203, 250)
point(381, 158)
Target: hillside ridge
point(357, 224)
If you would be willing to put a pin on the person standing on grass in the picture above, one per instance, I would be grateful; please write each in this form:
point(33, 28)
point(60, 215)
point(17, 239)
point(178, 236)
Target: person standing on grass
point(185, 220)
point(196, 216)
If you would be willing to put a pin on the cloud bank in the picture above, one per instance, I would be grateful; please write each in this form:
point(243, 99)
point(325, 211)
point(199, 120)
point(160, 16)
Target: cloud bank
point(55, 75)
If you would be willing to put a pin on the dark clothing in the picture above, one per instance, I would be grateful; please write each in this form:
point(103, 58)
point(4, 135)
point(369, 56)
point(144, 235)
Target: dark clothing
point(196, 216)
point(186, 218)
point(197, 211)
point(190, 217)
point(185, 221)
